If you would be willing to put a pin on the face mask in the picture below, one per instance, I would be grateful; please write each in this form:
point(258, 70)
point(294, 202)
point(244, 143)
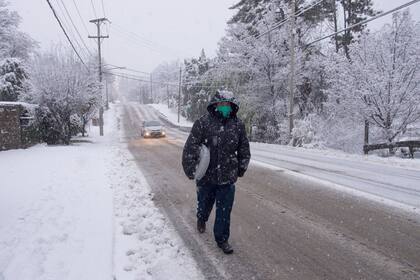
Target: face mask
point(225, 110)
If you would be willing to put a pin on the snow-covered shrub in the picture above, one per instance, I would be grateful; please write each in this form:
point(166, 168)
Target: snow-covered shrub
point(305, 131)
point(76, 125)
point(12, 79)
point(48, 128)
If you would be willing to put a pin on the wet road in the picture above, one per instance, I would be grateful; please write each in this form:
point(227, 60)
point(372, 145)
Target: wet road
point(281, 229)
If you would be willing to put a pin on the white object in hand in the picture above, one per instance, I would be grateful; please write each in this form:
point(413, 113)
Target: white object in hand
point(203, 164)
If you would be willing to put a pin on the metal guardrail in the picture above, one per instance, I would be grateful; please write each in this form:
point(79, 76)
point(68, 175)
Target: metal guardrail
point(411, 145)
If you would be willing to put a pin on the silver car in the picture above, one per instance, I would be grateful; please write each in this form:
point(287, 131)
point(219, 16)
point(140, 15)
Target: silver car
point(152, 129)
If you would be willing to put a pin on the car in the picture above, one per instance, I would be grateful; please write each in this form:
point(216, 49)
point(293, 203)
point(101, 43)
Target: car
point(152, 128)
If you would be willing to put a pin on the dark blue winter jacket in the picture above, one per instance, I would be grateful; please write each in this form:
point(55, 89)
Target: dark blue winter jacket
point(227, 141)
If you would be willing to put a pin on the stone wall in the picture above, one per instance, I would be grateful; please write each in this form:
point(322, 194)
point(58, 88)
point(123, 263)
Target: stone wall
point(17, 126)
point(10, 130)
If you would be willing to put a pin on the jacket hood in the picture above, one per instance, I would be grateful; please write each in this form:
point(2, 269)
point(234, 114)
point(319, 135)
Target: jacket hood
point(223, 96)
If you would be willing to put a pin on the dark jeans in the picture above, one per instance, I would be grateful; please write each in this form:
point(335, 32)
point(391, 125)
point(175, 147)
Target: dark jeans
point(223, 195)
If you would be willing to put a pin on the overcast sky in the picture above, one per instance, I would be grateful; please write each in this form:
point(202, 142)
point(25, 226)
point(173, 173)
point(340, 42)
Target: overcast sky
point(144, 33)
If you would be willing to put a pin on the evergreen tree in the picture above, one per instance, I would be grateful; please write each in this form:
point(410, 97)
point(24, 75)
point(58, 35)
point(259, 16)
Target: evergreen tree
point(195, 89)
point(249, 11)
point(353, 12)
point(12, 79)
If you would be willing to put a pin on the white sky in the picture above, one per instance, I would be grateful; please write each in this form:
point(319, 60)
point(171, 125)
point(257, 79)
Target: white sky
point(167, 29)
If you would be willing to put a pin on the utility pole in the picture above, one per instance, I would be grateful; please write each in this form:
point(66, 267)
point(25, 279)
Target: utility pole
point(98, 23)
point(106, 94)
point(292, 65)
point(140, 94)
point(151, 88)
point(179, 93)
point(167, 93)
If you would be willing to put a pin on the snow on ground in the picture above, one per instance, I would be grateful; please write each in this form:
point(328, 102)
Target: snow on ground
point(55, 213)
point(146, 242)
point(337, 155)
point(171, 115)
point(57, 206)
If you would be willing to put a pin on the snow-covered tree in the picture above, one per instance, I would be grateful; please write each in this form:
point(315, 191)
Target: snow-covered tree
point(12, 79)
point(382, 81)
point(62, 84)
point(13, 43)
point(166, 81)
point(353, 12)
point(15, 47)
point(258, 67)
point(196, 89)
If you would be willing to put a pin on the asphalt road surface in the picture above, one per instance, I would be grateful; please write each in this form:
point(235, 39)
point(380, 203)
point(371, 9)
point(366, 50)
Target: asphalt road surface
point(281, 229)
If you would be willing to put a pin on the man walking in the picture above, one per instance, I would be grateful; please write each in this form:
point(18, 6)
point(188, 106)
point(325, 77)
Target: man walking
point(223, 133)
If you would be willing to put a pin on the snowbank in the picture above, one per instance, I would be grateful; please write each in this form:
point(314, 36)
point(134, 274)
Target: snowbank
point(337, 155)
point(171, 115)
point(147, 246)
point(84, 211)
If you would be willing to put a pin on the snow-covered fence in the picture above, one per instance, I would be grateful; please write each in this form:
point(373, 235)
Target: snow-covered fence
point(411, 145)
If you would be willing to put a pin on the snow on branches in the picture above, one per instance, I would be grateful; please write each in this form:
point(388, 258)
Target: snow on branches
point(12, 79)
point(381, 83)
point(62, 84)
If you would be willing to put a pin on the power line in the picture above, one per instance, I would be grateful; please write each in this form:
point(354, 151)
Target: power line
point(75, 28)
point(135, 34)
point(103, 8)
point(93, 7)
point(130, 69)
point(134, 40)
point(365, 21)
point(80, 16)
point(65, 33)
point(146, 42)
point(69, 29)
point(289, 18)
point(277, 25)
point(103, 11)
point(132, 77)
point(139, 78)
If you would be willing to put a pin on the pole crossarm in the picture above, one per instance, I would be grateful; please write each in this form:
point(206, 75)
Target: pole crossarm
point(98, 37)
point(98, 20)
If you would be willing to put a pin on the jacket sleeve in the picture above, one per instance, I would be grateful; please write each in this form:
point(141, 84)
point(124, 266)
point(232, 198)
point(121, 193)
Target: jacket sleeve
point(244, 153)
point(191, 152)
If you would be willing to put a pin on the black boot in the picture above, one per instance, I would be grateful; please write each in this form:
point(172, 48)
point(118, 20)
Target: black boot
point(201, 226)
point(226, 248)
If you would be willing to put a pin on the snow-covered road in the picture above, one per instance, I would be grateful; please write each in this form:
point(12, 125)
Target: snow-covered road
point(393, 183)
point(387, 181)
point(285, 224)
